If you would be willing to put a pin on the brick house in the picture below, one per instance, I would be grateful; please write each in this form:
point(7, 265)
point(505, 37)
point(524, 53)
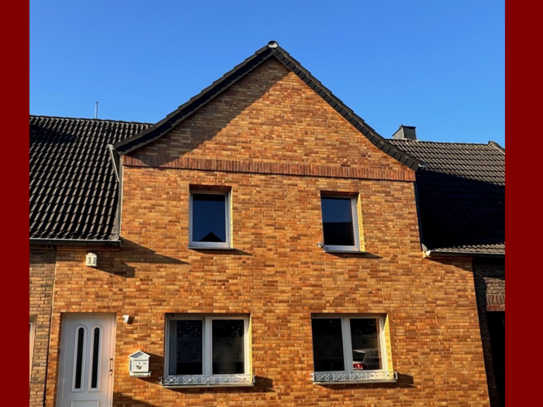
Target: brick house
point(260, 245)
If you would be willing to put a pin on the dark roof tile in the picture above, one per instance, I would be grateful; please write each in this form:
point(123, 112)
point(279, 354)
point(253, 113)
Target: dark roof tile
point(461, 193)
point(73, 191)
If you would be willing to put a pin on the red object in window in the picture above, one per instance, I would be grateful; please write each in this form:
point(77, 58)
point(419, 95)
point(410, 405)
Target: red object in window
point(359, 366)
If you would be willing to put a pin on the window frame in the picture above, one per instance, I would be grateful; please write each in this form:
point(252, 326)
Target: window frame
point(354, 217)
point(207, 378)
point(227, 219)
point(31, 343)
point(350, 375)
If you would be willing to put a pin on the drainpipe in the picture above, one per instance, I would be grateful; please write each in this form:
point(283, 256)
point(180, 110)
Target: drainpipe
point(115, 160)
point(114, 155)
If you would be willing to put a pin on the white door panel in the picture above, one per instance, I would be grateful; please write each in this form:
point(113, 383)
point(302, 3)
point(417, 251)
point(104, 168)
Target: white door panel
point(86, 360)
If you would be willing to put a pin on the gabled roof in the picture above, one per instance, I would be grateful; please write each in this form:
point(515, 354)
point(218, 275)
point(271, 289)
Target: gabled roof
point(461, 194)
point(73, 188)
point(271, 50)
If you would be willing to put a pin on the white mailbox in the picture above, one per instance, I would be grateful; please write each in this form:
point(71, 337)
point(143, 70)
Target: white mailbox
point(139, 364)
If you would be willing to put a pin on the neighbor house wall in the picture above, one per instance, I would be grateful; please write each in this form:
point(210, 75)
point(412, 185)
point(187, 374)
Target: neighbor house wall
point(41, 276)
point(490, 289)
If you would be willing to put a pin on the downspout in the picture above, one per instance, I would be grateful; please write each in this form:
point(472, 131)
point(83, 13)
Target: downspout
point(45, 383)
point(114, 156)
point(417, 204)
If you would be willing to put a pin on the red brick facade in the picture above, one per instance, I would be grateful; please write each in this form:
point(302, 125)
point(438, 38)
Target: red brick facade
point(277, 146)
point(42, 275)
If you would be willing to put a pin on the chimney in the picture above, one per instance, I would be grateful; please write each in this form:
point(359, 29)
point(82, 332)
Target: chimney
point(405, 133)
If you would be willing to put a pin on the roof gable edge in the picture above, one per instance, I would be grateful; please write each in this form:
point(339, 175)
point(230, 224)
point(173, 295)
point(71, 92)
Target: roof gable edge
point(238, 72)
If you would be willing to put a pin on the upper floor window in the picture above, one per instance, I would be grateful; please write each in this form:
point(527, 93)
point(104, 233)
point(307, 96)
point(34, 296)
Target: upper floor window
point(340, 223)
point(209, 219)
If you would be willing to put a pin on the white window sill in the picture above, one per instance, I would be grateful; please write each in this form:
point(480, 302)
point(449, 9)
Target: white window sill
point(211, 248)
point(225, 380)
point(325, 250)
point(368, 376)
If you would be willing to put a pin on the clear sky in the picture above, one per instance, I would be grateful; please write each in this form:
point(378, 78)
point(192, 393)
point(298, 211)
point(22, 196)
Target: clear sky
point(438, 65)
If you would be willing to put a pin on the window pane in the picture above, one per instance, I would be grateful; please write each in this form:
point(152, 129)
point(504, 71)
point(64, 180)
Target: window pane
point(185, 347)
point(327, 345)
point(228, 346)
point(79, 357)
point(208, 218)
point(365, 340)
point(337, 221)
point(95, 360)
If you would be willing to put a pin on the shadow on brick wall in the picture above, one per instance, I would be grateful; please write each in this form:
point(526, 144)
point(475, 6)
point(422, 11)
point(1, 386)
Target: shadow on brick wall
point(208, 125)
point(118, 262)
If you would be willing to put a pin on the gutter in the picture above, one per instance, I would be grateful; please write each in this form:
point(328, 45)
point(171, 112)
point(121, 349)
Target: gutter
point(75, 242)
point(437, 253)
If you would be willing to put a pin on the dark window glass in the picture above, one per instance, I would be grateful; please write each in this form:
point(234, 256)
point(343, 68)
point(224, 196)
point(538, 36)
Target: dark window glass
point(327, 345)
point(79, 357)
point(228, 346)
point(95, 355)
point(365, 342)
point(496, 329)
point(208, 218)
point(185, 347)
point(337, 221)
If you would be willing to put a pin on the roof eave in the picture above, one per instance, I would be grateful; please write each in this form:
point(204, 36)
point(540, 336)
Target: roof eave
point(74, 242)
point(193, 104)
point(439, 253)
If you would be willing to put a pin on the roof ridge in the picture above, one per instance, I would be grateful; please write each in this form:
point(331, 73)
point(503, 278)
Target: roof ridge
point(445, 142)
point(496, 145)
point(87, 119)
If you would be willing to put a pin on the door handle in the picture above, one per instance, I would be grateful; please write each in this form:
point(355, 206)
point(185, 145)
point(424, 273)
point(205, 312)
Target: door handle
point(110, 365)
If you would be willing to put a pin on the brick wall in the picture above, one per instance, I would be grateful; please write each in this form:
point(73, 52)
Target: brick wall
point(42, 269)
point(490, 284)
point(275, 144)
point(490, 289)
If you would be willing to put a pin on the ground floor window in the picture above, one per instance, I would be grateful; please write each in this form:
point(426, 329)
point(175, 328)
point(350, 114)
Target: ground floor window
point(207, 349)
point(353, 345)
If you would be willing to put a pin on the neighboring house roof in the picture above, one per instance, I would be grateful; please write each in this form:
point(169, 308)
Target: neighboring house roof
point(272, 49)
point(461, 194)
point(73, 188)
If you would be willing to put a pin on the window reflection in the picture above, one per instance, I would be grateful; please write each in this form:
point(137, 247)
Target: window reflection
point(337, 219)
point(208, 218)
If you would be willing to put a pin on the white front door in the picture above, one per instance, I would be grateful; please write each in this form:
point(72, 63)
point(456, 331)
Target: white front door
point(86, 360)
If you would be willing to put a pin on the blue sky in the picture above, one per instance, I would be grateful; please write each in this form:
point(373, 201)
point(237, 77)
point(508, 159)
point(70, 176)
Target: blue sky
point(435, 64)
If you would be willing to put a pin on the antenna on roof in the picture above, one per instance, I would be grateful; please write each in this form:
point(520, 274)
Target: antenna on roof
point(96, 111)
